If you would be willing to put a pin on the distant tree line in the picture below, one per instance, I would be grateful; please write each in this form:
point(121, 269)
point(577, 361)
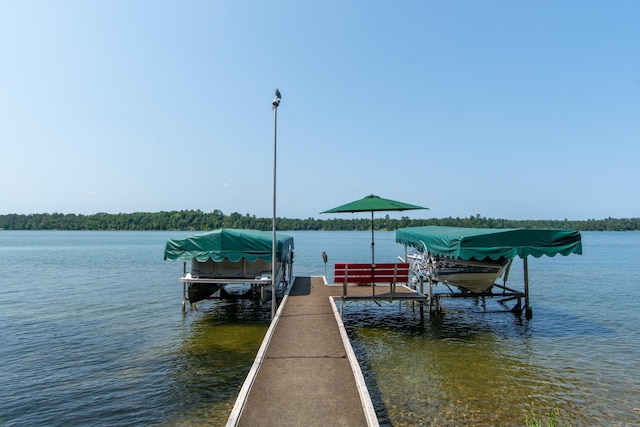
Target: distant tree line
point(190, 220)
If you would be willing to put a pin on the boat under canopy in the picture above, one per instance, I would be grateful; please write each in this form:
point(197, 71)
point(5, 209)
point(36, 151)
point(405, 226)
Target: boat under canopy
point(491, 243)
point(471, 259)
point(233, 244)
point(225, 260)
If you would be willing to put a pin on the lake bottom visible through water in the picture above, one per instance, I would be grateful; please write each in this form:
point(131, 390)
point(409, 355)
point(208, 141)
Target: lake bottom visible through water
point(93, 334)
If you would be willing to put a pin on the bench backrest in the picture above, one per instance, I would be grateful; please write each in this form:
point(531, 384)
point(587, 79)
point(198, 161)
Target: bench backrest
point(361, 273)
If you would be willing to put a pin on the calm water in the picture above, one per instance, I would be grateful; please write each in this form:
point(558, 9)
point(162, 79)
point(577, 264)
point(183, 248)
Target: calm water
point(92, 334)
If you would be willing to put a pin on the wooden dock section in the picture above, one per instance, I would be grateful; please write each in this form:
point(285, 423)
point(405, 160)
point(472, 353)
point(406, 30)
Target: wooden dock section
point(305, 373)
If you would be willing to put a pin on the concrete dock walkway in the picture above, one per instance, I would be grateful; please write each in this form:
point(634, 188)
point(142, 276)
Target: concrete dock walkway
point(305, 376)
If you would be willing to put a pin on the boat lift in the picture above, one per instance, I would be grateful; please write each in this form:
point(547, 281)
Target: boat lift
point(226, 258)
point(474, 247)
point(497, 290)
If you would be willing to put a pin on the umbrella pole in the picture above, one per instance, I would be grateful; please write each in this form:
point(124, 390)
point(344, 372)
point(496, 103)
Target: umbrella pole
point(373, 261)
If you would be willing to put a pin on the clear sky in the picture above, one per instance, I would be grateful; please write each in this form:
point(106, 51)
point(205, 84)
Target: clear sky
point(508, 109)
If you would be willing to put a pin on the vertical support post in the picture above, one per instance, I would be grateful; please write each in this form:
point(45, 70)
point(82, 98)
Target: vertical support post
point(325, 258)
point(393, 284)
point(422, 303)
point(430, 296)
point(344, 282)
point(184, 297)
point(527, 306)
point(184, 287)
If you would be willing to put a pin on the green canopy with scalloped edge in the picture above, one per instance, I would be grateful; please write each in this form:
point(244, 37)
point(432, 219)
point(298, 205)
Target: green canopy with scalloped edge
point(232, 244)
point(491, 243)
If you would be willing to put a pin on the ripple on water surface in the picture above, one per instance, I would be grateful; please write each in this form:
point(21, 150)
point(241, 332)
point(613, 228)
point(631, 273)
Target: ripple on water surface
point(473, 367)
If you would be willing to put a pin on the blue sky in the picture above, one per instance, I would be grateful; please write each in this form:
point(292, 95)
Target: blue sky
point(507, 109)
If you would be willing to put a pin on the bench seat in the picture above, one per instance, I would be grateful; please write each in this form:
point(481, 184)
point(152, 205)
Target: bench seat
point(358, 273)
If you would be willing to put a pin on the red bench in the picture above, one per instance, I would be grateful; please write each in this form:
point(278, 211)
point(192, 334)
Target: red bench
point(361, 274)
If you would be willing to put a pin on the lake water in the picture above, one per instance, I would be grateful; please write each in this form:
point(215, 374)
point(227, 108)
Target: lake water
point(92, 334)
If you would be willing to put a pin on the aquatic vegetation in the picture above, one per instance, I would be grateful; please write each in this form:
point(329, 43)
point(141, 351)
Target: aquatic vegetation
point(532, 420)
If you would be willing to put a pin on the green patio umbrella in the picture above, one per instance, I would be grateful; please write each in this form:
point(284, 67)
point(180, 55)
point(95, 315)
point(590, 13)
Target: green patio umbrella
point(373, 204)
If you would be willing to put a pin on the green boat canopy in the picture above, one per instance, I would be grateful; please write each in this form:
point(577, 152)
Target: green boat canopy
point(232, 244)
point(492, 243)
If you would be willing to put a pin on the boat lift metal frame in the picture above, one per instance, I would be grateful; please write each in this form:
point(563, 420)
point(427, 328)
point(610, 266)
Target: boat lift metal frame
point(259, 287)
point(507, 294)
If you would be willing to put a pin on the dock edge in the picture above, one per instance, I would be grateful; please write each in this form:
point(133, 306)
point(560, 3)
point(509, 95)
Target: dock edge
point(363, 391)
point(236, 412)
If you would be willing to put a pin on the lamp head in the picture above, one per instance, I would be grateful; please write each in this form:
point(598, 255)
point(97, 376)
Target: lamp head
point(276, 99)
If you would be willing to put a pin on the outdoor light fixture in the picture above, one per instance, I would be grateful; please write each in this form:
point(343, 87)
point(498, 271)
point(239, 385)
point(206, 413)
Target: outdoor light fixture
point(275, 103)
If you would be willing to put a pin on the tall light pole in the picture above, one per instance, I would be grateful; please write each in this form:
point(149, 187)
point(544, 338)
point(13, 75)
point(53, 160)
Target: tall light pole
point(275, 103)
